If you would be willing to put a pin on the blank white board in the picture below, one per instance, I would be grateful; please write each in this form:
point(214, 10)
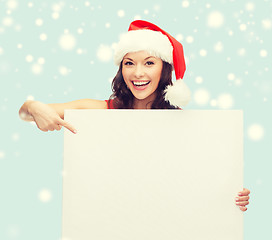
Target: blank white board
point(153, 175)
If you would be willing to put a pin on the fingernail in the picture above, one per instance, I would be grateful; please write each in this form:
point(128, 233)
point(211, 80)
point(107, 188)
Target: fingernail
point(75, 131)
point(237, 199)
point(240, 194)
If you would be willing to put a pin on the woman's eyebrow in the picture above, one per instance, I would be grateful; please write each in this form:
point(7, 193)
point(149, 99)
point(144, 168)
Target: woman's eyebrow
point(144, 59)
point(149, 57)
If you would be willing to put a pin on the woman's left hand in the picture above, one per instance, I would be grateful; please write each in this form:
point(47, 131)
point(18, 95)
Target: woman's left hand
point(242, 199)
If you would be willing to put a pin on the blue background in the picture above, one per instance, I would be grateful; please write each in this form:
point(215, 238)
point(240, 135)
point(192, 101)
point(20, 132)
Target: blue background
point(236, 75)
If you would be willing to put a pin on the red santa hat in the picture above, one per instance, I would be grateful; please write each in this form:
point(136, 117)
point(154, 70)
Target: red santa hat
point(146, 36)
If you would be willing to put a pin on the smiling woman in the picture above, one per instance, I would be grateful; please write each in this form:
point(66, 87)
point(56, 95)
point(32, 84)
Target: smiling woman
point(146, 56)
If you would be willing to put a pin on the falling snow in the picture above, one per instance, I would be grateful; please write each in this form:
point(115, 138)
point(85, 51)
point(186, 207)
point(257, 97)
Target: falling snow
point(30, 97)
point(67, 42)
point(179, 37)
point(146, 12)
point(231, 76)
point(57, 7)
point(13, 231)
point(215, 19)
point(266, 24)
point(7, 21)
point(41, 61)
point(12, 4)
point(80, 31)
point(50, 49)
point(213, 103)
point(255, 132)
point(15, 137)
point(218, 47)
point(63, 70)
point(43, 37)
point(201, 96)
point(250, 6)
point(2, 154)
point(241, 52)
point(39, 22)
point(55, 15)
point(104, 53)
point(45, 195)
point(29, 58)
point(225, 101)
point(121, 13)
point(157, 8)
point(243, 27)
point(203, 53)
point(185, 4)
point(199, 80)
point(137, 17)
point(263, 53)
point(189, 39)
point(36, 69)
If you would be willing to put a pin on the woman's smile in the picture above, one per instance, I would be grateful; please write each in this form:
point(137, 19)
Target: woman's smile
point(140, 85)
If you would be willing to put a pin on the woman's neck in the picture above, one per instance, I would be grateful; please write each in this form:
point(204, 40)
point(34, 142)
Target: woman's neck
point(144, 103)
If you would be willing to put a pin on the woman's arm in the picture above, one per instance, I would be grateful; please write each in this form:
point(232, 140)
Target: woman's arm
point(49, 117)
point(78, 104)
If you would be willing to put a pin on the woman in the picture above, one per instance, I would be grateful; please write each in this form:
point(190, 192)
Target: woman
point(146, 56)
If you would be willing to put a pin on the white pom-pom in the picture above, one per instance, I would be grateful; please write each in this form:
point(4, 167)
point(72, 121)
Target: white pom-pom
point(178, 94)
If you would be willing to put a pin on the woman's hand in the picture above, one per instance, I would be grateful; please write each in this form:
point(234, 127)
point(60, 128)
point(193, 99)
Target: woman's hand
point(242, 199)
point(45, 117)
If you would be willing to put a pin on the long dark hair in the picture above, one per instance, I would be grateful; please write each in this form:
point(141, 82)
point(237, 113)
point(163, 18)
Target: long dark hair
point(122, 97)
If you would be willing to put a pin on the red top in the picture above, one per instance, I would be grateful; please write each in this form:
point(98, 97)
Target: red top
point(109, 104)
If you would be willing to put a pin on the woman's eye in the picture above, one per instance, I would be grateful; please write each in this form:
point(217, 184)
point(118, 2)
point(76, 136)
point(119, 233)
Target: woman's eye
point(128, 63)
point(149, 63)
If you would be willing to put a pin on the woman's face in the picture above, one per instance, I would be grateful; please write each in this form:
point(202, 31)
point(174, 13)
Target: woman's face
point(142, 73)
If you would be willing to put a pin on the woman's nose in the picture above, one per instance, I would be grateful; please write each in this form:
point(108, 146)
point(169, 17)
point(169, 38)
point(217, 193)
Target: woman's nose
point(139, 71)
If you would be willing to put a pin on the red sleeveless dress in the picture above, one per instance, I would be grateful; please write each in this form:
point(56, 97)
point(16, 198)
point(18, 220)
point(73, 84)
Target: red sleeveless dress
point(109, 104)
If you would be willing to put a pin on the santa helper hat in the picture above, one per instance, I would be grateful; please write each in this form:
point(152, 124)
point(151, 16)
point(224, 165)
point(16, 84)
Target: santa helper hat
point(146, 36)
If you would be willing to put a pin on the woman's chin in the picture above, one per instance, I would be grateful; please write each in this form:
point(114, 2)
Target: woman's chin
point(148, 96)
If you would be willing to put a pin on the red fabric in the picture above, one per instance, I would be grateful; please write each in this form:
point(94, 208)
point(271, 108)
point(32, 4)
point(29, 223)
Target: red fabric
point(109, 104)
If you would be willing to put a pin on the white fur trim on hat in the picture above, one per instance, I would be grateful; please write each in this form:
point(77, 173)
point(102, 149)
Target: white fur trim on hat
point(178, 94)
point(154, 42)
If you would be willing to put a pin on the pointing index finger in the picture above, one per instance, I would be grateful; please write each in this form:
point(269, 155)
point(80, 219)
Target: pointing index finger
point(68, 126)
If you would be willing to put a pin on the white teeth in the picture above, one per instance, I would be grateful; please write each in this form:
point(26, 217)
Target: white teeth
point(140, 83)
